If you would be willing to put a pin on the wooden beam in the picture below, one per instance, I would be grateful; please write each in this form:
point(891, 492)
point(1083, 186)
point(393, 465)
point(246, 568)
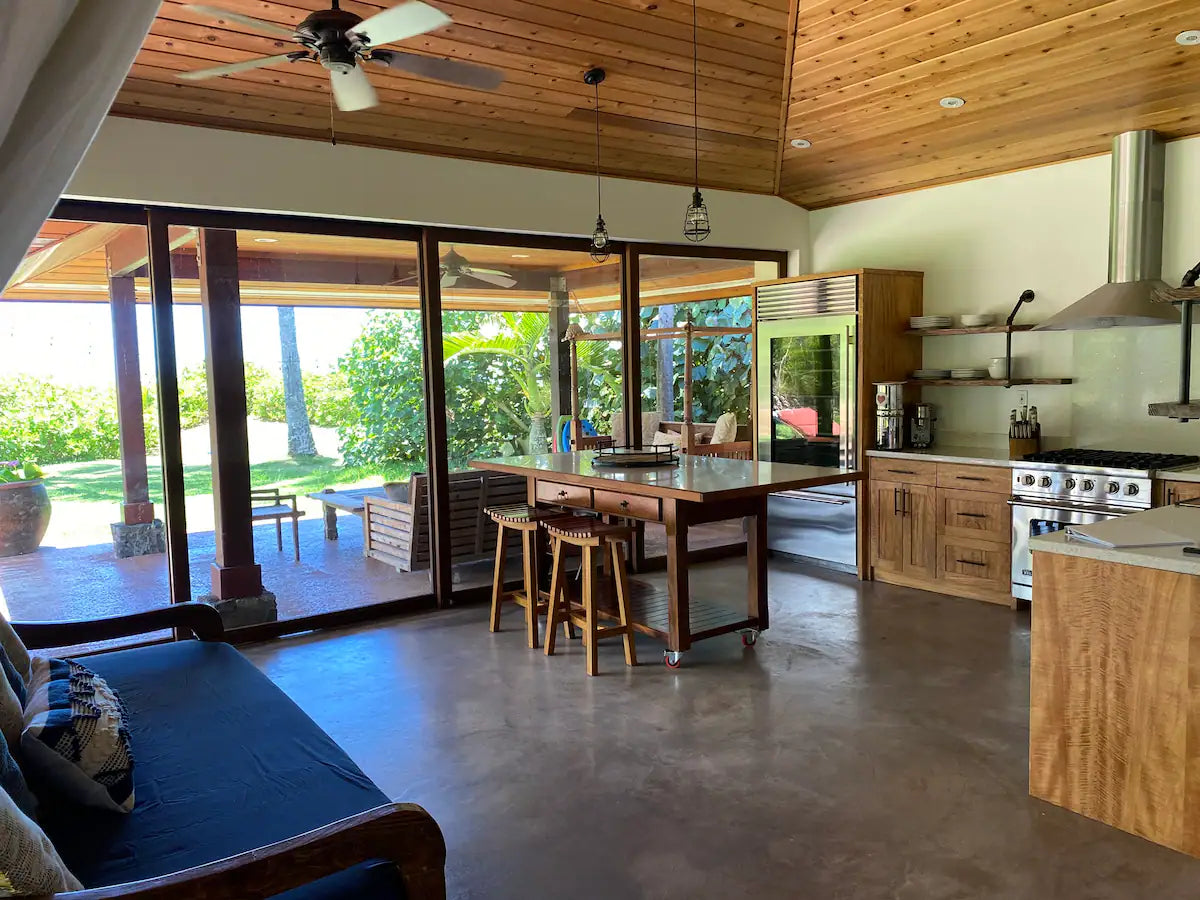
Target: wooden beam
point(234, 573)
point(86, 240)
point(136, 508)
point(785, 98)
point(129, 250)
point(170, 449)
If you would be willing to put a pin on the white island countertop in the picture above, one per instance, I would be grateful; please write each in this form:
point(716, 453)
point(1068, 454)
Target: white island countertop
point(1181, 520)
point(950, 453)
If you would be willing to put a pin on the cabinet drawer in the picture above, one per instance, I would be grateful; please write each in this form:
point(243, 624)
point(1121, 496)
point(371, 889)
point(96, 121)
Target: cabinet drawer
point(884, 469)
point(563, 494)
point(979, 565)
point(991, 479)
point(974, 515)
point(1178, 491)
point(645, 508)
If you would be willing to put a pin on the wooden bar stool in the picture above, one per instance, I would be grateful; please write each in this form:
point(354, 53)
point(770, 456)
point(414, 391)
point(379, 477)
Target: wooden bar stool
point(591, 536)
point(524, 519)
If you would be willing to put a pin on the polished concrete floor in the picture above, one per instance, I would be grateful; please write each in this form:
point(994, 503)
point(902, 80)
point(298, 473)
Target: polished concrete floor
point(872, 745)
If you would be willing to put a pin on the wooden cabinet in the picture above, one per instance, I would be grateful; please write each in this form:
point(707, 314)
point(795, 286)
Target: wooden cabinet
point(944, 527)
point(1178, 491)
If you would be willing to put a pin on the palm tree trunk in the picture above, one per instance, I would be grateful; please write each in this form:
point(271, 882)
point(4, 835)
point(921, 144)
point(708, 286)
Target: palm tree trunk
point(299, 431)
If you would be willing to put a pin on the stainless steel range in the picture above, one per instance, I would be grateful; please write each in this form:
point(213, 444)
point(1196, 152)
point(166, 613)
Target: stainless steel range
point(1058, 488)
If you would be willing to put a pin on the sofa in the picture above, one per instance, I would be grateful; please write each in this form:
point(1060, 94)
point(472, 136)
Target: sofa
point(238, 792)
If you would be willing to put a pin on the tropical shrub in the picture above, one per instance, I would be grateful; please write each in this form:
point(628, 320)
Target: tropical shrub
point(56, 423)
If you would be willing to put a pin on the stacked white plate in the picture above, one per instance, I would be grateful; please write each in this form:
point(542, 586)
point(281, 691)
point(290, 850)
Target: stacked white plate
point(923, 322)
point(977, 321)
point(968, 373)
point(931, 374)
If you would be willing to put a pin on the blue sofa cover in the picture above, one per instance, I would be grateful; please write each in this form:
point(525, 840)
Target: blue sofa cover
point(224, 762)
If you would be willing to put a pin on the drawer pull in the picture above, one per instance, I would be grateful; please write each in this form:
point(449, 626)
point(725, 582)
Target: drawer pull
point(624, 504)
point(973, 515)
point(562, 493)
point(969, 478)
point(970, 562)
point(902, 471)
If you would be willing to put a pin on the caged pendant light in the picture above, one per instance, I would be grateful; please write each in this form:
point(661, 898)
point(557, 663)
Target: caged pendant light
point(601, 248)
point(696, 226)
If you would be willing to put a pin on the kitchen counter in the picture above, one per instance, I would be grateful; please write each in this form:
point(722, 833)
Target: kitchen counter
point(1191, 473)
point(949, 453)
point(1181, 520)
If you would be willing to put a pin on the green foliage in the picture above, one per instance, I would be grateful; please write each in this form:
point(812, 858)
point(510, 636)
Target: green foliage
point(327, 397)
point(720, 364)
point(56, 423)
point(15, 470)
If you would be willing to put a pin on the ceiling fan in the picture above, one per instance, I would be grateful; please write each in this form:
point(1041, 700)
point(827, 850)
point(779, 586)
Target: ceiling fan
point(340, 41)
point(454, 266)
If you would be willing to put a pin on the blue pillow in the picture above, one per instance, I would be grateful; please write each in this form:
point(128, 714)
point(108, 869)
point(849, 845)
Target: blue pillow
point(15, 681)
point(13, 781)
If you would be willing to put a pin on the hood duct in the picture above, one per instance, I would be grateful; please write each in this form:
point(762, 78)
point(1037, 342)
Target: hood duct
point(1135, 240)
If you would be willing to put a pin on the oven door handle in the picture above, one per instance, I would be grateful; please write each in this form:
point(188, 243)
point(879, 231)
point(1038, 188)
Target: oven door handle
point(1046, 504)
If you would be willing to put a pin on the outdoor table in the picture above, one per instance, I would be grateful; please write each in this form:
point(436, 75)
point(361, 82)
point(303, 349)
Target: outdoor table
point(350, 501)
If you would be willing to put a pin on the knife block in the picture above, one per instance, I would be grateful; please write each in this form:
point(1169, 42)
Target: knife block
point(1018, 447)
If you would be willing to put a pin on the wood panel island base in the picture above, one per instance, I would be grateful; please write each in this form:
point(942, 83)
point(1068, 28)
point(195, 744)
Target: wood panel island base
point(696, 491)
point(1114, 723)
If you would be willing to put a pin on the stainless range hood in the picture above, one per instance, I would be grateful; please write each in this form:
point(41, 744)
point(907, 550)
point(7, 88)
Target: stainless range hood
point(1135, 237)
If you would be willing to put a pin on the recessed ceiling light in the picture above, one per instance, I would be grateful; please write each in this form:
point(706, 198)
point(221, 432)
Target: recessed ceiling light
point(520, 256)
point(266, 240)
point(801, 143)
point(1188, 38)
point(952, 103)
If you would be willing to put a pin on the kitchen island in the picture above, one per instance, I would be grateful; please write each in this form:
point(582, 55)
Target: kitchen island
point(1114, 721)
point(696, 490)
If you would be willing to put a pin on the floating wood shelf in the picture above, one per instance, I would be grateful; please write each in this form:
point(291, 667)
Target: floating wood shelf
point(983, 329)
point(987, 382)
point(1176, 410)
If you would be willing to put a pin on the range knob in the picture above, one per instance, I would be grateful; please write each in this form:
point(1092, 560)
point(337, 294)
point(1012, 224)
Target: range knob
point(1131, 490)
point(1070, 484)
point(1045, 481)
point(1028, 480)
point(1114, 487)
point(1088, 485)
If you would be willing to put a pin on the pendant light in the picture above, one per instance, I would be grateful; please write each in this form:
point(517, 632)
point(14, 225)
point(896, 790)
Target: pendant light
point(601, 247)
point(695, 221)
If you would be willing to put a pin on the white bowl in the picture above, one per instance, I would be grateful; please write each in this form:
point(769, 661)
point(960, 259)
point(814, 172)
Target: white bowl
point(977, 321)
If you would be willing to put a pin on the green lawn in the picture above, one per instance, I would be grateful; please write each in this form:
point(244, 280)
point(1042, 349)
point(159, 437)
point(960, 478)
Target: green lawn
point(100, 481)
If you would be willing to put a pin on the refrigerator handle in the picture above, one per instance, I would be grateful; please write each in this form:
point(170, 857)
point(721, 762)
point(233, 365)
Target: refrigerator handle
point(849, 389)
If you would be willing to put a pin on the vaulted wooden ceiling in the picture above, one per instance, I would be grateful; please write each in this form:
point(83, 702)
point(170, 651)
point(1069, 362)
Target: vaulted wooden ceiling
point(1043, 80)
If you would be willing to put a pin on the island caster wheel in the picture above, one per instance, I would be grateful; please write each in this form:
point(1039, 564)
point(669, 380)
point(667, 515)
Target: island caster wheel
point(749, 638)
point(672, 658)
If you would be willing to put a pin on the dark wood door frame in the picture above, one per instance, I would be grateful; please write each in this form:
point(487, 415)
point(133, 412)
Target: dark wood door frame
point(436, 435)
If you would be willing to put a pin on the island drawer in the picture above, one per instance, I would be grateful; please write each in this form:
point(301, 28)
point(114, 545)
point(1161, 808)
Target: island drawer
point(990, 479)
point(974, 515)
point(563, 494)
point(645, 508)
point(903, 470)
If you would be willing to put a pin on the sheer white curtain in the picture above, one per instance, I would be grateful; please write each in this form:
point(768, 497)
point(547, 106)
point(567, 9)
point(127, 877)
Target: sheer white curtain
point(61, 64)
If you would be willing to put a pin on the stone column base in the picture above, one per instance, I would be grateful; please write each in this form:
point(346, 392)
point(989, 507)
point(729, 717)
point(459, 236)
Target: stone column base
point(238, 612)
point(138, 540)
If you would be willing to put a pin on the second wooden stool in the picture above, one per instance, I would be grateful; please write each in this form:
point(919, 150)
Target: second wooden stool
point(524, 519)
point(591, 536)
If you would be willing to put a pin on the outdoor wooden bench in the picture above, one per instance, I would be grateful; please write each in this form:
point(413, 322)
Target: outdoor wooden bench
point(277, 506)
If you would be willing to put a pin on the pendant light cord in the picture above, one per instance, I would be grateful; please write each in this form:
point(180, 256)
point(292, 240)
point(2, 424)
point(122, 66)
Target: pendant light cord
point(596, 87)
point(695, 96)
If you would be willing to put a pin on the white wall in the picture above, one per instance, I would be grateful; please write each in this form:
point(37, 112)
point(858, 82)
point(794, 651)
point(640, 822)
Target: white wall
point(981, 243)
point(151, 162)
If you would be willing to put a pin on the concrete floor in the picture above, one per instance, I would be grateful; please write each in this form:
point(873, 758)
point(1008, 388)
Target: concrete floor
point(872, 745)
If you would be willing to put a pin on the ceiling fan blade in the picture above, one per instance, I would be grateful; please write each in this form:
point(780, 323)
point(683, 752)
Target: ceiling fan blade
point(352, 91)
point(449, 280)
point(400, 22)
point(448, 70)
point(216, 12)
point(492, 277)
point(231, 68)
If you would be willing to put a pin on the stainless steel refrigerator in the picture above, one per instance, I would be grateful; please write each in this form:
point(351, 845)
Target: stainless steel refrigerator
point(806, 375)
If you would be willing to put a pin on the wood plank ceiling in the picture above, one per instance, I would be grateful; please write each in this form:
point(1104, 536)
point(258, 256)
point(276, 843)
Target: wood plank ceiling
point(861, 79)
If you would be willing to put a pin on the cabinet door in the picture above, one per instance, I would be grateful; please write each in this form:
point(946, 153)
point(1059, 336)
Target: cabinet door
point(975, 565)
point(920, 531)
point(887, 527)
point(1178, 491)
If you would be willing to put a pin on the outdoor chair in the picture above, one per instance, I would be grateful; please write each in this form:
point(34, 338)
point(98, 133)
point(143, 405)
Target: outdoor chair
point(269, 503)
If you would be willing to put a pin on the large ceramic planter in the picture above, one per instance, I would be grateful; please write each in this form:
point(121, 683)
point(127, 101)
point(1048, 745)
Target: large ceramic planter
point(539, 435)
point(24, 516)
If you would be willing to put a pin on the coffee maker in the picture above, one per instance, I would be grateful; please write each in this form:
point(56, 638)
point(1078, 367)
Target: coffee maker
point(889, 415)
point(920, 426)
